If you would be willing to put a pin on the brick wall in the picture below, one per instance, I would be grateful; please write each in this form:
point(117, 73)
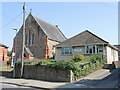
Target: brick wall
point(38, 48)
point(42, 45)
point(3, 54)
point(51, 45)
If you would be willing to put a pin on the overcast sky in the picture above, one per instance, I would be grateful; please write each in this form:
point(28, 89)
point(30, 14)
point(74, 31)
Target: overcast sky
point(101, 18)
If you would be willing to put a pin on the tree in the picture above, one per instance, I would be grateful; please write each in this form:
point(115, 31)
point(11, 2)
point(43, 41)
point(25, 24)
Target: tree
point(9, 53)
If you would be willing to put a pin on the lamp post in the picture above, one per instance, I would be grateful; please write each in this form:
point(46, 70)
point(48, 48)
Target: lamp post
point(15, 53)
point(15, 29)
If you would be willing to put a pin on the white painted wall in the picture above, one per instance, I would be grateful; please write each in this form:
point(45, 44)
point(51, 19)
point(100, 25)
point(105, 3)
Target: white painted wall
point(112, 55)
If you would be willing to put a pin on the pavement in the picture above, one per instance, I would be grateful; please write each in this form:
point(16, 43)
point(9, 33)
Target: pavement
point(100, 78)
point(38, 84)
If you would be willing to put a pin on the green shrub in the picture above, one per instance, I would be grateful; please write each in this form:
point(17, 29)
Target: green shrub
point(77, 58)
point(30, 61)
point(72, 65)
point(64, 65)
point(51, 60)
point(9, 62)
point(95, 57)
point(19, 63)
point(43, 62)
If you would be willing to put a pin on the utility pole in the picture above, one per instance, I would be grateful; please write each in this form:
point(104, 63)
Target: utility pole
point(14, 59)
point(23, 44)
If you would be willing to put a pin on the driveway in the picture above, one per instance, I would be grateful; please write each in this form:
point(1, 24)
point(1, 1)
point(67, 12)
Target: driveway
point(102, 78)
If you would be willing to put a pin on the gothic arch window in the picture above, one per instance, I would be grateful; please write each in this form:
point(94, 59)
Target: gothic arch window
point(29, 35)
point(32, 39)
point(26, 39)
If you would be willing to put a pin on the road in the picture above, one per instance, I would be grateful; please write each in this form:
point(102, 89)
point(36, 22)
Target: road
point(8, 85)
point(110, 81)
point(102, 78)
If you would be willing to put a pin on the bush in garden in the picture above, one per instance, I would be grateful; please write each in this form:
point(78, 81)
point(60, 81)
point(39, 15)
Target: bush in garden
point(43, 62)
point(95, 57)
point(62, 65)
point(71, 65)
point(77, 58)
point(51, 60)
point(9, 62)
point(19, 63)
point(30, 61)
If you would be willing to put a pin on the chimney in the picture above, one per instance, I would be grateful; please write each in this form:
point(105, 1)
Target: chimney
point(56, 26)
point(30, 11)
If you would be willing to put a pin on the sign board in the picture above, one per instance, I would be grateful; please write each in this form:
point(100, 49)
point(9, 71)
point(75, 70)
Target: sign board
point(15, 60)
point(13, 54)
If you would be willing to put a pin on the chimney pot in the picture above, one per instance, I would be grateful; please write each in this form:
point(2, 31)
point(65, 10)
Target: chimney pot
point(56, 25)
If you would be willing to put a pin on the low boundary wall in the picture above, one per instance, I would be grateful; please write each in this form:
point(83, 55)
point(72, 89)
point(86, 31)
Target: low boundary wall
point(44, 73)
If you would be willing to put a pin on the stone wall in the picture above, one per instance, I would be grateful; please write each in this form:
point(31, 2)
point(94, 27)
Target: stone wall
point(8, 74)
point(38, 47)
point(44, 73)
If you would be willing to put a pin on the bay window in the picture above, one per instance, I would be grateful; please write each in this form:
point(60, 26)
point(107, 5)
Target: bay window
point(91, 49)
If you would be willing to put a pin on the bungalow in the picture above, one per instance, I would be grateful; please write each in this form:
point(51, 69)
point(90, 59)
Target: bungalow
point(86, 43)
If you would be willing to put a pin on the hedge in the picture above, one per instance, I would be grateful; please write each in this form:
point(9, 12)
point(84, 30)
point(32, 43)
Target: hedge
point(94, 62)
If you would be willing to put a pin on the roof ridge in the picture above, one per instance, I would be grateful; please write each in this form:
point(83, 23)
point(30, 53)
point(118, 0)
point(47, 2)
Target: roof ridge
point(62, 33)
point(45, 21)
point(50, 28)
point(39, 24)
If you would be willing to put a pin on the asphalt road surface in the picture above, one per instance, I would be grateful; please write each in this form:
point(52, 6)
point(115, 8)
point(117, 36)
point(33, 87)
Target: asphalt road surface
point(8, 85)
point(110, 81)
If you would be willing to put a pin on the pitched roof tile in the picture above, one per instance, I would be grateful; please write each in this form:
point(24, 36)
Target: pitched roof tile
point(51, 31)
point(85, 37)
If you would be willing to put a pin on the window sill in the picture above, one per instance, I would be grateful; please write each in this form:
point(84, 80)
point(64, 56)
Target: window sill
point(66, 55)
point(90, 53)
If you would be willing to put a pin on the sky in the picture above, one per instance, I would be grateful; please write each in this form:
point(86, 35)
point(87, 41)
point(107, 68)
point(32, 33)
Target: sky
point(101, 18)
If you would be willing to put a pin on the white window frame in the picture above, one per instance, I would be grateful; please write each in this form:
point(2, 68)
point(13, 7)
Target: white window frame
point(64, 49)
point(89, 46)
point(78, 50)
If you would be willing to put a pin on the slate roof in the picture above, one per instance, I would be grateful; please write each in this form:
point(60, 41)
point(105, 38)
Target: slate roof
point(51, 31)
point(3, 45)
point(85, 37)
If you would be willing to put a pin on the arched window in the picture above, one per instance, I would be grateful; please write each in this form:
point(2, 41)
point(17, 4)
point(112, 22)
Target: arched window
point(25, 39)
point(29, 37)
point(32, 39)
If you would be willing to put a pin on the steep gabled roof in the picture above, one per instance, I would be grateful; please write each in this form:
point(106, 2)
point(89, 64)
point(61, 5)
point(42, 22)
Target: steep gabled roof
point(85, 37)
point(51, 31)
